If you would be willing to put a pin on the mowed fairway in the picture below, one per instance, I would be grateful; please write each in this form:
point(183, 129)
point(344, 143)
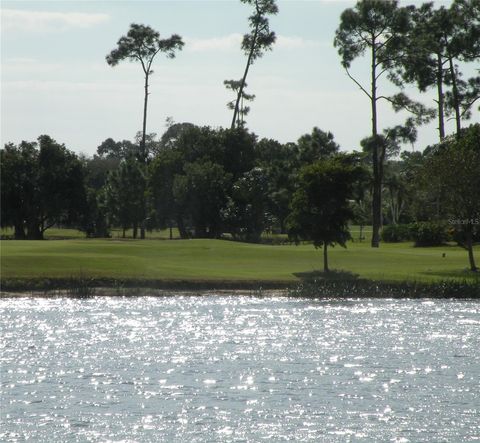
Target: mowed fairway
point(214, 260)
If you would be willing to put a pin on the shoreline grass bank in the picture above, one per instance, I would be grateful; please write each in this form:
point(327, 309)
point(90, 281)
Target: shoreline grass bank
point(218, 264)
point(317, 288)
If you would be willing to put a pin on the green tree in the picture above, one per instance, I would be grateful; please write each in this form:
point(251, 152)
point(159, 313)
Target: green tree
point(43, 184)
point(202, 192)
point(256, 42)
point(279, 162)
point(246, 211)
point(234, 85)
point(396, 188)
point(19, 185)
point(454, 167)
point(238, 149)
point(142, 44)
point(315, 146)
point(164, 168)
point(111, 149)
point(379, 28)
point(320, 209)
point(438, 41)
point(94, 220)
point(123, 187)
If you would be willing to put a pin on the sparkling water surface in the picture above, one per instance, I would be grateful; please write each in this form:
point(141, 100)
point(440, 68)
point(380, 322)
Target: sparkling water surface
point(229, 368)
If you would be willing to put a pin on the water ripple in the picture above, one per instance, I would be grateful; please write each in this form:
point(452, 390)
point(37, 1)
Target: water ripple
point(226, 368)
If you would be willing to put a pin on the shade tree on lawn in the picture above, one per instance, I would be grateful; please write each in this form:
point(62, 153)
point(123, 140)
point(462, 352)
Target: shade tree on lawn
point(320, 208)
point(452, 169)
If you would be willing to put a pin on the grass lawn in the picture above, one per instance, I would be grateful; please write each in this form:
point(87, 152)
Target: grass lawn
point(223, 260)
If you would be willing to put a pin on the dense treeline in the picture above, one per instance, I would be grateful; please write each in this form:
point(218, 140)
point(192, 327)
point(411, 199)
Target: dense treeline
point(209, 182)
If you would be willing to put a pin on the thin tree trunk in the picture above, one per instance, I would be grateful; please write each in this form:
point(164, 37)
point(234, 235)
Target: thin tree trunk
point(377, 170)
point(34, 232)
point(242, 83)
point(456, 101)
point(144, 126)
point(143, 220)
point(469, 242)
point(441, 98)
point(135, 229)
point(143, 154)
point(181, 227)
point(124, 232)
point(325, 258)
point(19, 231)
point(361, 233)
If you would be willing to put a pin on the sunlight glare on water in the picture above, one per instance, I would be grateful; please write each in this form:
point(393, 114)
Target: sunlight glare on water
point(230, 368)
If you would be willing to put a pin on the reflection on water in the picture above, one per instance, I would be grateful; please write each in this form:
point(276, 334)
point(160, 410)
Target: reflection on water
point(226, 368)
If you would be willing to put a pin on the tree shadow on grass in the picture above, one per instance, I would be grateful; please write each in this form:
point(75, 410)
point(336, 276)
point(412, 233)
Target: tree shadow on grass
point(336, 275)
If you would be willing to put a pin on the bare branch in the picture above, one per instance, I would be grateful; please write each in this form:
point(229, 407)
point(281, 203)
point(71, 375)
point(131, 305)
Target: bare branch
point(358, 84)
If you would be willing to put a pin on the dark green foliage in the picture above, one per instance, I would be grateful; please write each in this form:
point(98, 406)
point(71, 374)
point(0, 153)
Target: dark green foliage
point(111, 149)
point(170, 136)
point(459, 235)
point(202, 191)
point(94, 221)
point(238, 146)
point(192, 178)
point(452, 170)
point(320, 206)
point(246, 213)
point(315, 146)
point(279, 162)
point(42, 185)
point(429, 233)
point(122, 191)
point(142, 43)
point(97, 170)
point(396, 233)
point(18, 185)
point(163, 170)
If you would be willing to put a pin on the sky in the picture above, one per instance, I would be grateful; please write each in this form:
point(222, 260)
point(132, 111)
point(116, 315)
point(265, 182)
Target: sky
point(55, 81)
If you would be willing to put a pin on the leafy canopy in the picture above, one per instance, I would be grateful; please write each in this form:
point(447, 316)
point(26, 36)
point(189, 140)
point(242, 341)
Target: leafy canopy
point(142, 43)
point(260, 38)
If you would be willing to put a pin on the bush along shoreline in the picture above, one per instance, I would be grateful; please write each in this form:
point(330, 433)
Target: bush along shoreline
point(84, 287)
point(382, 289)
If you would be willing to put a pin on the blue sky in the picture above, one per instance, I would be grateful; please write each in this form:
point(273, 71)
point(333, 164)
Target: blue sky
point(55, 79)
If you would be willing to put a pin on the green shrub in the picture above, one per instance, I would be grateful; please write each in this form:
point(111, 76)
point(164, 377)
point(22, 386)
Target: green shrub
point(396, 233)
point(429, 233)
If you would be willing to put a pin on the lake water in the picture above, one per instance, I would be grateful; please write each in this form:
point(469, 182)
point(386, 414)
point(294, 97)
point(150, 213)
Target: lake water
point(228, 368)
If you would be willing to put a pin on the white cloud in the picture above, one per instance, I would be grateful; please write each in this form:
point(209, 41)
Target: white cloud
point(40, 21)
point(233, 42)
point(295, 42)
point(224, 43)
point(60, 86)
